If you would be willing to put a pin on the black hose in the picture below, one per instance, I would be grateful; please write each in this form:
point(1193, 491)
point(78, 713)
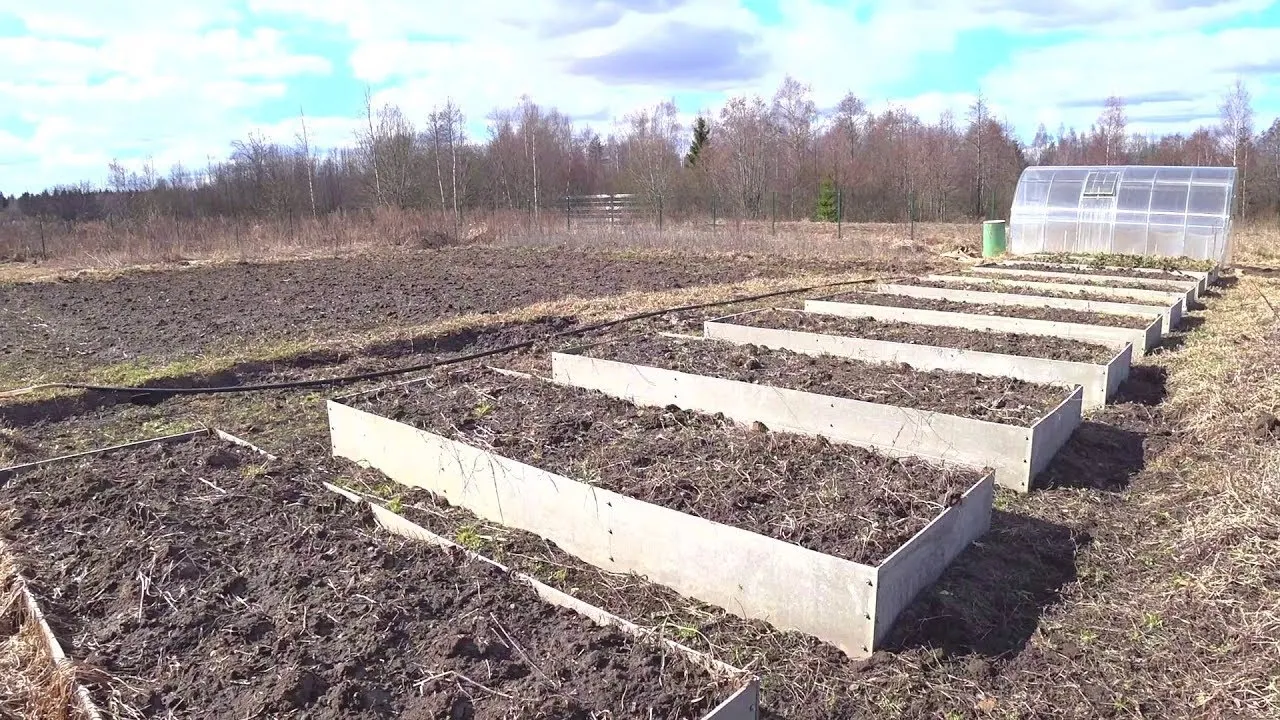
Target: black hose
point(373, 375)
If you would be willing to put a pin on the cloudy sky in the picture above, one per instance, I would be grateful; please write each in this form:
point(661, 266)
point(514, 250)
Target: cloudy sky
point(85, 81)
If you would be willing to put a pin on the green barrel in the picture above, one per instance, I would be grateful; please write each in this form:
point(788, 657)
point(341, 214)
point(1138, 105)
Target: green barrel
point(993, 238)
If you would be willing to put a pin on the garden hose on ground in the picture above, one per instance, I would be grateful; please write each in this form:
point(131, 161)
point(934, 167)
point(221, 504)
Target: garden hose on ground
point(373, 375)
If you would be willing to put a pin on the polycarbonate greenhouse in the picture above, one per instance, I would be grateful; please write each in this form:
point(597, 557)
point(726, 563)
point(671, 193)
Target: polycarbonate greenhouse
point(1171, 211)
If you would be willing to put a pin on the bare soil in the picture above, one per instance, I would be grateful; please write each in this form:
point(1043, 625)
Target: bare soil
point(840, 500)
point(1005, 343)
point(174, 313)
point(1138, 273)
point(213, 584)
point(1001, 400)
point(1031, 313)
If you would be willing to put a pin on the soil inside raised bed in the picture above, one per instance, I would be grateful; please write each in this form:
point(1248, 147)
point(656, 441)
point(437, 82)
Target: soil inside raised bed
point(1135, 273)
point(214, 583)
point(1119, 283)
point(1001, 400)
point(1037, 346)
point(837, 499)
point(1135, 322)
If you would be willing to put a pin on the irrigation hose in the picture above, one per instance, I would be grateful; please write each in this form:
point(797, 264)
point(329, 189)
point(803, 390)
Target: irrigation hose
point(374, 375)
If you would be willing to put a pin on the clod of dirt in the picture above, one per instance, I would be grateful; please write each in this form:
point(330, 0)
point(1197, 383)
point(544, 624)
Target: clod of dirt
point(1266, 427)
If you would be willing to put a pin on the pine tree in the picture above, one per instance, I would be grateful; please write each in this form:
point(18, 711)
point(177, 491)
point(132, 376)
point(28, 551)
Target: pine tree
point(826, 211)
point(701, 134)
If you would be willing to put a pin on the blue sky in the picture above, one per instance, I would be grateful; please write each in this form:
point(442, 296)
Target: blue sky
point(85, 81)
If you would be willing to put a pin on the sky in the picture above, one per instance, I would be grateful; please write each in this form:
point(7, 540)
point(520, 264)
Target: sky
point(83, 82)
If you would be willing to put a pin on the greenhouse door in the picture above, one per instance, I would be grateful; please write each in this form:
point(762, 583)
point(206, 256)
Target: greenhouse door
point(1095, 229)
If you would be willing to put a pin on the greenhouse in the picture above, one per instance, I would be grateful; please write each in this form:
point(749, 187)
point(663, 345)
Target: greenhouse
point(1171, 211)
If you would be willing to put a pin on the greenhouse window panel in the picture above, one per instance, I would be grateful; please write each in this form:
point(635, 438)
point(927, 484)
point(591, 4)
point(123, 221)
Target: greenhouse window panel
point(1157, 210)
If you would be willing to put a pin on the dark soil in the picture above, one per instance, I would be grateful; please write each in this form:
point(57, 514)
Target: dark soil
point(993, 342)
point(1031, 313)
point(1118, 283)
point(172, 314)
point(1138, 273)
point(267, 596)
point(840, 500)
point(1001, 400)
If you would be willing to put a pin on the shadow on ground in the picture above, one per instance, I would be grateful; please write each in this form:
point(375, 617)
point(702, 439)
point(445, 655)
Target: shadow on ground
point(1176, 339)
point(989, 601)
point(371, 358)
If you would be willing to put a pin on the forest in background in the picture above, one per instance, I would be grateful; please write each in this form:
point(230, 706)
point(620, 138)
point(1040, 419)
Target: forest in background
point(753, 158)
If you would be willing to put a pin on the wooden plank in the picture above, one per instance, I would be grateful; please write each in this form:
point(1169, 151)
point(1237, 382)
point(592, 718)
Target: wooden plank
point(52, 647)
point(889, 429)
point(1156, 297)
point(1142, 340)
point(1093, 378)
point(919, 562)
point(9, 472)
point(746, 573)
point(1170, 312)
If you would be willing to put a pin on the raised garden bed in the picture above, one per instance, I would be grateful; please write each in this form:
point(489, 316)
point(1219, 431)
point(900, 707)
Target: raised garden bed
point(1164, 283)
point(1005, 424)
point(218, 583)
point(1170, 312)
point(1175, 276)
point(1031, 358)
point(1096, 292)
point(830, 540)
point(1018, 311)
point(1090, 281)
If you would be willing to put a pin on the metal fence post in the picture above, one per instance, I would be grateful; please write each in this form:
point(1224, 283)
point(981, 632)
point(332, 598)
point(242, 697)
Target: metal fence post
point(773, 221)
point(659, 213)
point(713, 214)
point(568, 212)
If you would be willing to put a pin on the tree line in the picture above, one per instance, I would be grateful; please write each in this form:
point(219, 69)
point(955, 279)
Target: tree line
point(753, 157)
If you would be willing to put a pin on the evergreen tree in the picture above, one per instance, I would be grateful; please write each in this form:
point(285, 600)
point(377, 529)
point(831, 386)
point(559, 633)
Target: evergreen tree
point(826, 211)
point(701, 134)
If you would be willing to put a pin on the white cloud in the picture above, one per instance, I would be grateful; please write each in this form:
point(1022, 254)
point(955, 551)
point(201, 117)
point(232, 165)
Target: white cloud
point(180, 81)
point(134, 79)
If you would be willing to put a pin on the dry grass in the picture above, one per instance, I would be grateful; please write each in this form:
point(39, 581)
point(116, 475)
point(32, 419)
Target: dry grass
point(786, 239)
point(1178, 610)
point(30, 250)
point(1256, 243)
point(32, 684)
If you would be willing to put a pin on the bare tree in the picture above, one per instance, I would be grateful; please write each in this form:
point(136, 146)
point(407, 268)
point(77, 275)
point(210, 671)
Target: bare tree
point(652, 148)
point(308, 160)
point(1111, 131)
point(370, 142)
point(1235, 131)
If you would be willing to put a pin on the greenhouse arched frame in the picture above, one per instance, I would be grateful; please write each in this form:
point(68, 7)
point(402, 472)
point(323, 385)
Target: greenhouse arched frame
point(1143, 210)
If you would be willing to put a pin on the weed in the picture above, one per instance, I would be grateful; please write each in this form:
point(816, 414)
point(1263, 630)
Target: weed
point(560, 575)
point(394, 505)
point(469, 537)
point(256, 470)
point(483, 409)
point(1152, 621)
point(1088, 637)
